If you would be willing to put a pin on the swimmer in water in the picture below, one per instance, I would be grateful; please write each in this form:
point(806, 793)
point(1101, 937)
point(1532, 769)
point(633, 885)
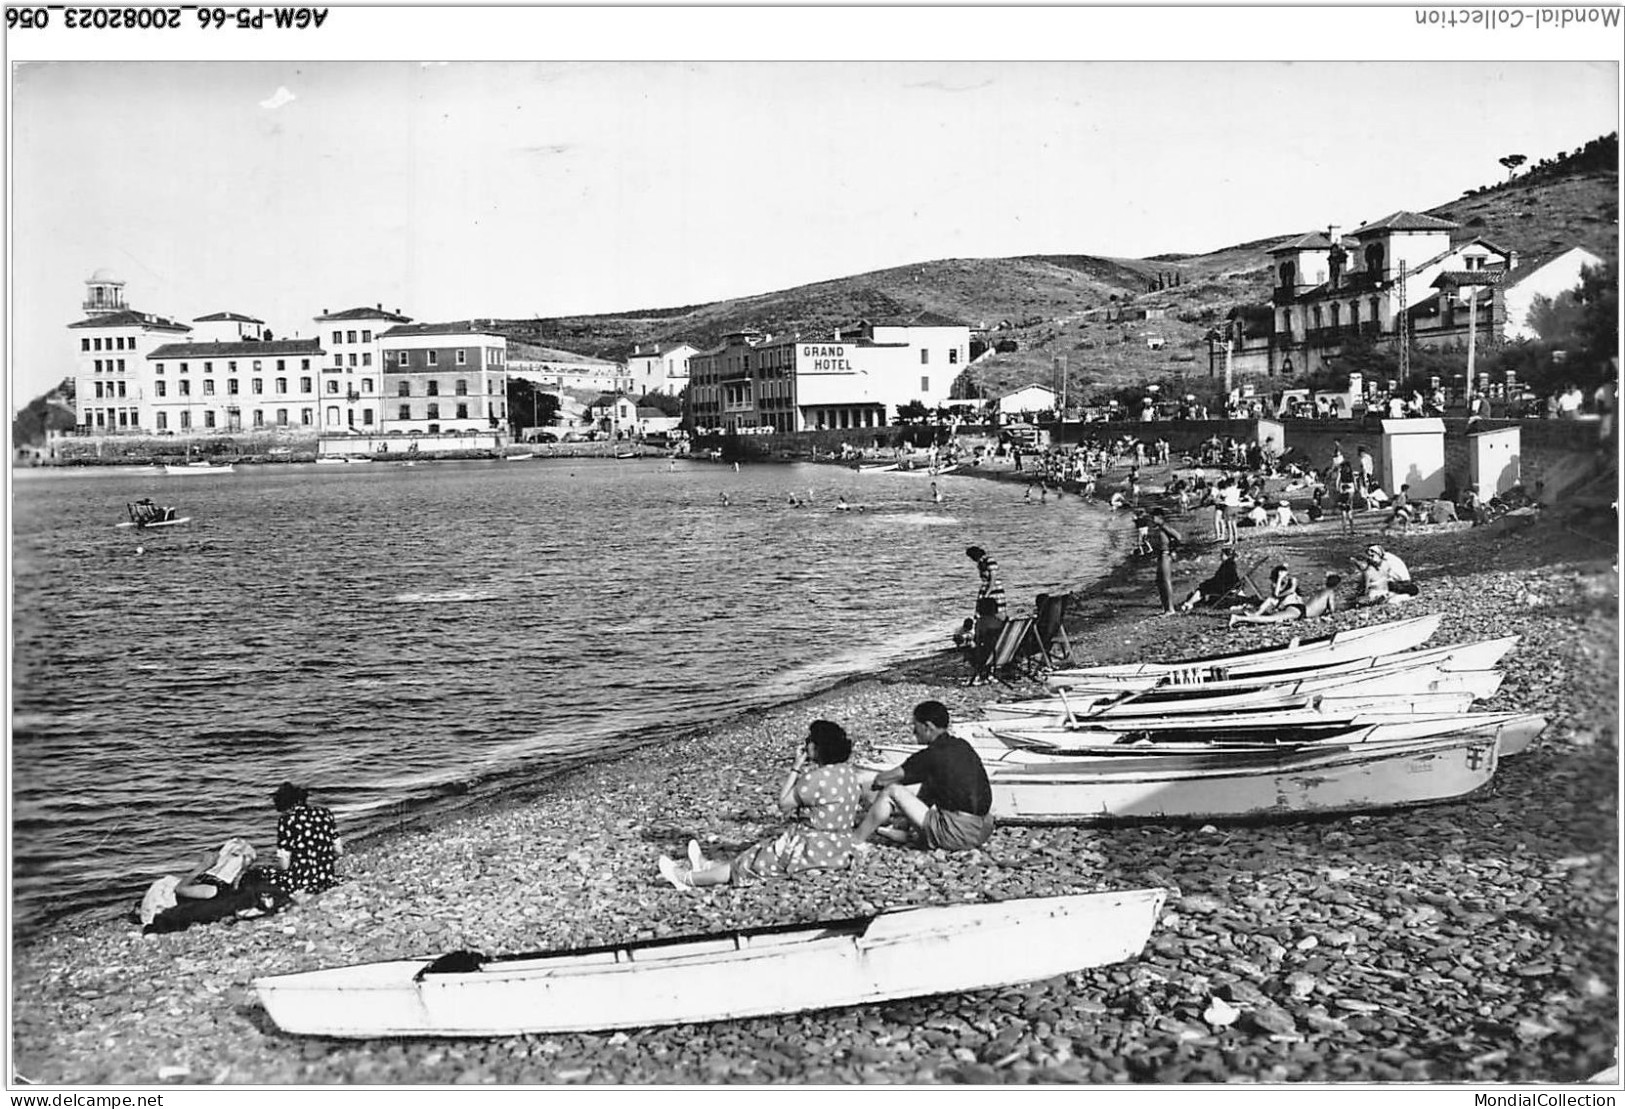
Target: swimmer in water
point(936, 494)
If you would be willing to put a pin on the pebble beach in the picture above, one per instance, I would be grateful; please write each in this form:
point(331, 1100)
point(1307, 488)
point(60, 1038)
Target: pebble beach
point(1474, 941)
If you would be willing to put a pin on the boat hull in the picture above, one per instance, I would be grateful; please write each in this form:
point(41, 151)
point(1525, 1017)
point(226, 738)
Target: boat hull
point(1358, 778)
point(905, 953)
point(154, 524)
point(1372, 639)
point(199, 471)
point(1480, 655)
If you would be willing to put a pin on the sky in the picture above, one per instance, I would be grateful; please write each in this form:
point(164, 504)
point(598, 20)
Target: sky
point(446, 190)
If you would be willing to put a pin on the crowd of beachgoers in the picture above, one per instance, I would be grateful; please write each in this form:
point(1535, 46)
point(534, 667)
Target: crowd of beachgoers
point(1473, 941)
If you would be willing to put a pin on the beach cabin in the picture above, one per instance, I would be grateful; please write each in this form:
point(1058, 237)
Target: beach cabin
point(1492, 460)
point(1413, 454)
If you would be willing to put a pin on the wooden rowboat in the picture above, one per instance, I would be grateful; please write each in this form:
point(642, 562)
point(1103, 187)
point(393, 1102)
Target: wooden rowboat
point(1513, 733)
point(1403, 679)
point(1296, 781)
point(1373, 639)
point(782, 969)
point(1478, 655)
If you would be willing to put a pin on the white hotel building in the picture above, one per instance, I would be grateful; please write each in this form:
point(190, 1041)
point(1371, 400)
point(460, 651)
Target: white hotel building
point(858, 378)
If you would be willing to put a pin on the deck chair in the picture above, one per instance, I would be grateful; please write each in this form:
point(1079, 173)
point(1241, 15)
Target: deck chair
point(1017, 648)
point(1051, 628)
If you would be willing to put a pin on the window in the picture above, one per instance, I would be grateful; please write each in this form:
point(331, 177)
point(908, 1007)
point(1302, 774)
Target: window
point(259, 418)
point(925, 384)
point(366, 385)
point(304, 363)
point(231, 386)
point(350, 337)
point(98, 344)
point(304, 385)
point(186, 388)
point(434, 429)
point(462, 411)
point(402, 361)
point(258, 385)
point(208, 418)
point(338, 337)
point(404, 389)
point(281, 417)
point(462, 387)
point(366, 358)
point(121, 365)
point(462, 357)
point(366, 336)
point(307, 416)
point(186, 421)
point(231, 367)
point(98, 365)
point(925, 357)
point(281, 385)
point(366, 416)
point(352, 361)
point(338, 361)
point(98, 390)
point(208, 367)
point(281, 365)
point(158, 387)
point(953, 356)
point(208, 388)
point(121, 388)
point(434, 388)
point(433, 357)
point(84, 344)
point(163, 421)
point(434, 411)
point(186, 367)
point(158, 368)
point(256, 365)
point(332, 385)
point(406, 412)
point(332, 415)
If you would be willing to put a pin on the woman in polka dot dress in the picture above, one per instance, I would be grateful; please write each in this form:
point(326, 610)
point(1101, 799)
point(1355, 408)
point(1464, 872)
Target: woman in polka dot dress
point(831, 792)
point(307, 842)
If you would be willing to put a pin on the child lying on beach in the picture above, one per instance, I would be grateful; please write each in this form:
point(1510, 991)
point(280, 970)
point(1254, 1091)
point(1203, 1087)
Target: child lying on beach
point(830, 790)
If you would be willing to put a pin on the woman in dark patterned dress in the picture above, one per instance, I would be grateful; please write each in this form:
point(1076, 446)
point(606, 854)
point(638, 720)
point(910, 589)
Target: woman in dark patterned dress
point(307, 842)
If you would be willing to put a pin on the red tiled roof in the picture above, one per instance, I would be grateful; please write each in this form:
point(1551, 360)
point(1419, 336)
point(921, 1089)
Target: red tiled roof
point(1407, 221)
point(131, 318)
point(1451, 279)
point(226, 316)
point(268, 349)
point(364, 314)
point(464, 327)
point(1315, 240)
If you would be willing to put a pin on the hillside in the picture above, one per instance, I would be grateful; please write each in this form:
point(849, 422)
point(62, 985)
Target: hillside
point(1055, 306)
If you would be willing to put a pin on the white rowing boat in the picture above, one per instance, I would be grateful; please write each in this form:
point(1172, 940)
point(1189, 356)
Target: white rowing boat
point(198, 469)
point(783, 969)
point(1478, 655)
point(1513, 732)
point(1482, 655)
point(1295, 781)
point(149, 525)
point(1362, 642)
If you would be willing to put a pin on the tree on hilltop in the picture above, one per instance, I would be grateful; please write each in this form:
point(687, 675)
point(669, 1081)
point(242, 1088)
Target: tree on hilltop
point(1512, 162)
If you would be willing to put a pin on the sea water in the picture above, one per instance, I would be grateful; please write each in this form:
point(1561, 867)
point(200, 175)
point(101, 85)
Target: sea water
point(395, 637)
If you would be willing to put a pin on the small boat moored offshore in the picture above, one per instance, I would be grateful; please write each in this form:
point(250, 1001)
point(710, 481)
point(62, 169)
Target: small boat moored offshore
point(907, 952)
point(198, 469)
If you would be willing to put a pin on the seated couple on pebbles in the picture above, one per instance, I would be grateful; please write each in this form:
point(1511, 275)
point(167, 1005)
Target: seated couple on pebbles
point(227, 884)
point(845, 807)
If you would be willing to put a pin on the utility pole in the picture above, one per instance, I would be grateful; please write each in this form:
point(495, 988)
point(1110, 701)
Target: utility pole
point(1404, 331)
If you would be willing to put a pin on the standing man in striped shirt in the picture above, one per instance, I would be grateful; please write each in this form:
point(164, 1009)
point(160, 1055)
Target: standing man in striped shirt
point(991, 587)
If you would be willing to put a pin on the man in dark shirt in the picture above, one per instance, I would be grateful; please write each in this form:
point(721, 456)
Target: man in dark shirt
point(951, 810)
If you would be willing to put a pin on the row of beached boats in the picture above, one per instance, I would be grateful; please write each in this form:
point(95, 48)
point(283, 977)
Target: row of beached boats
point(1362, 719)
